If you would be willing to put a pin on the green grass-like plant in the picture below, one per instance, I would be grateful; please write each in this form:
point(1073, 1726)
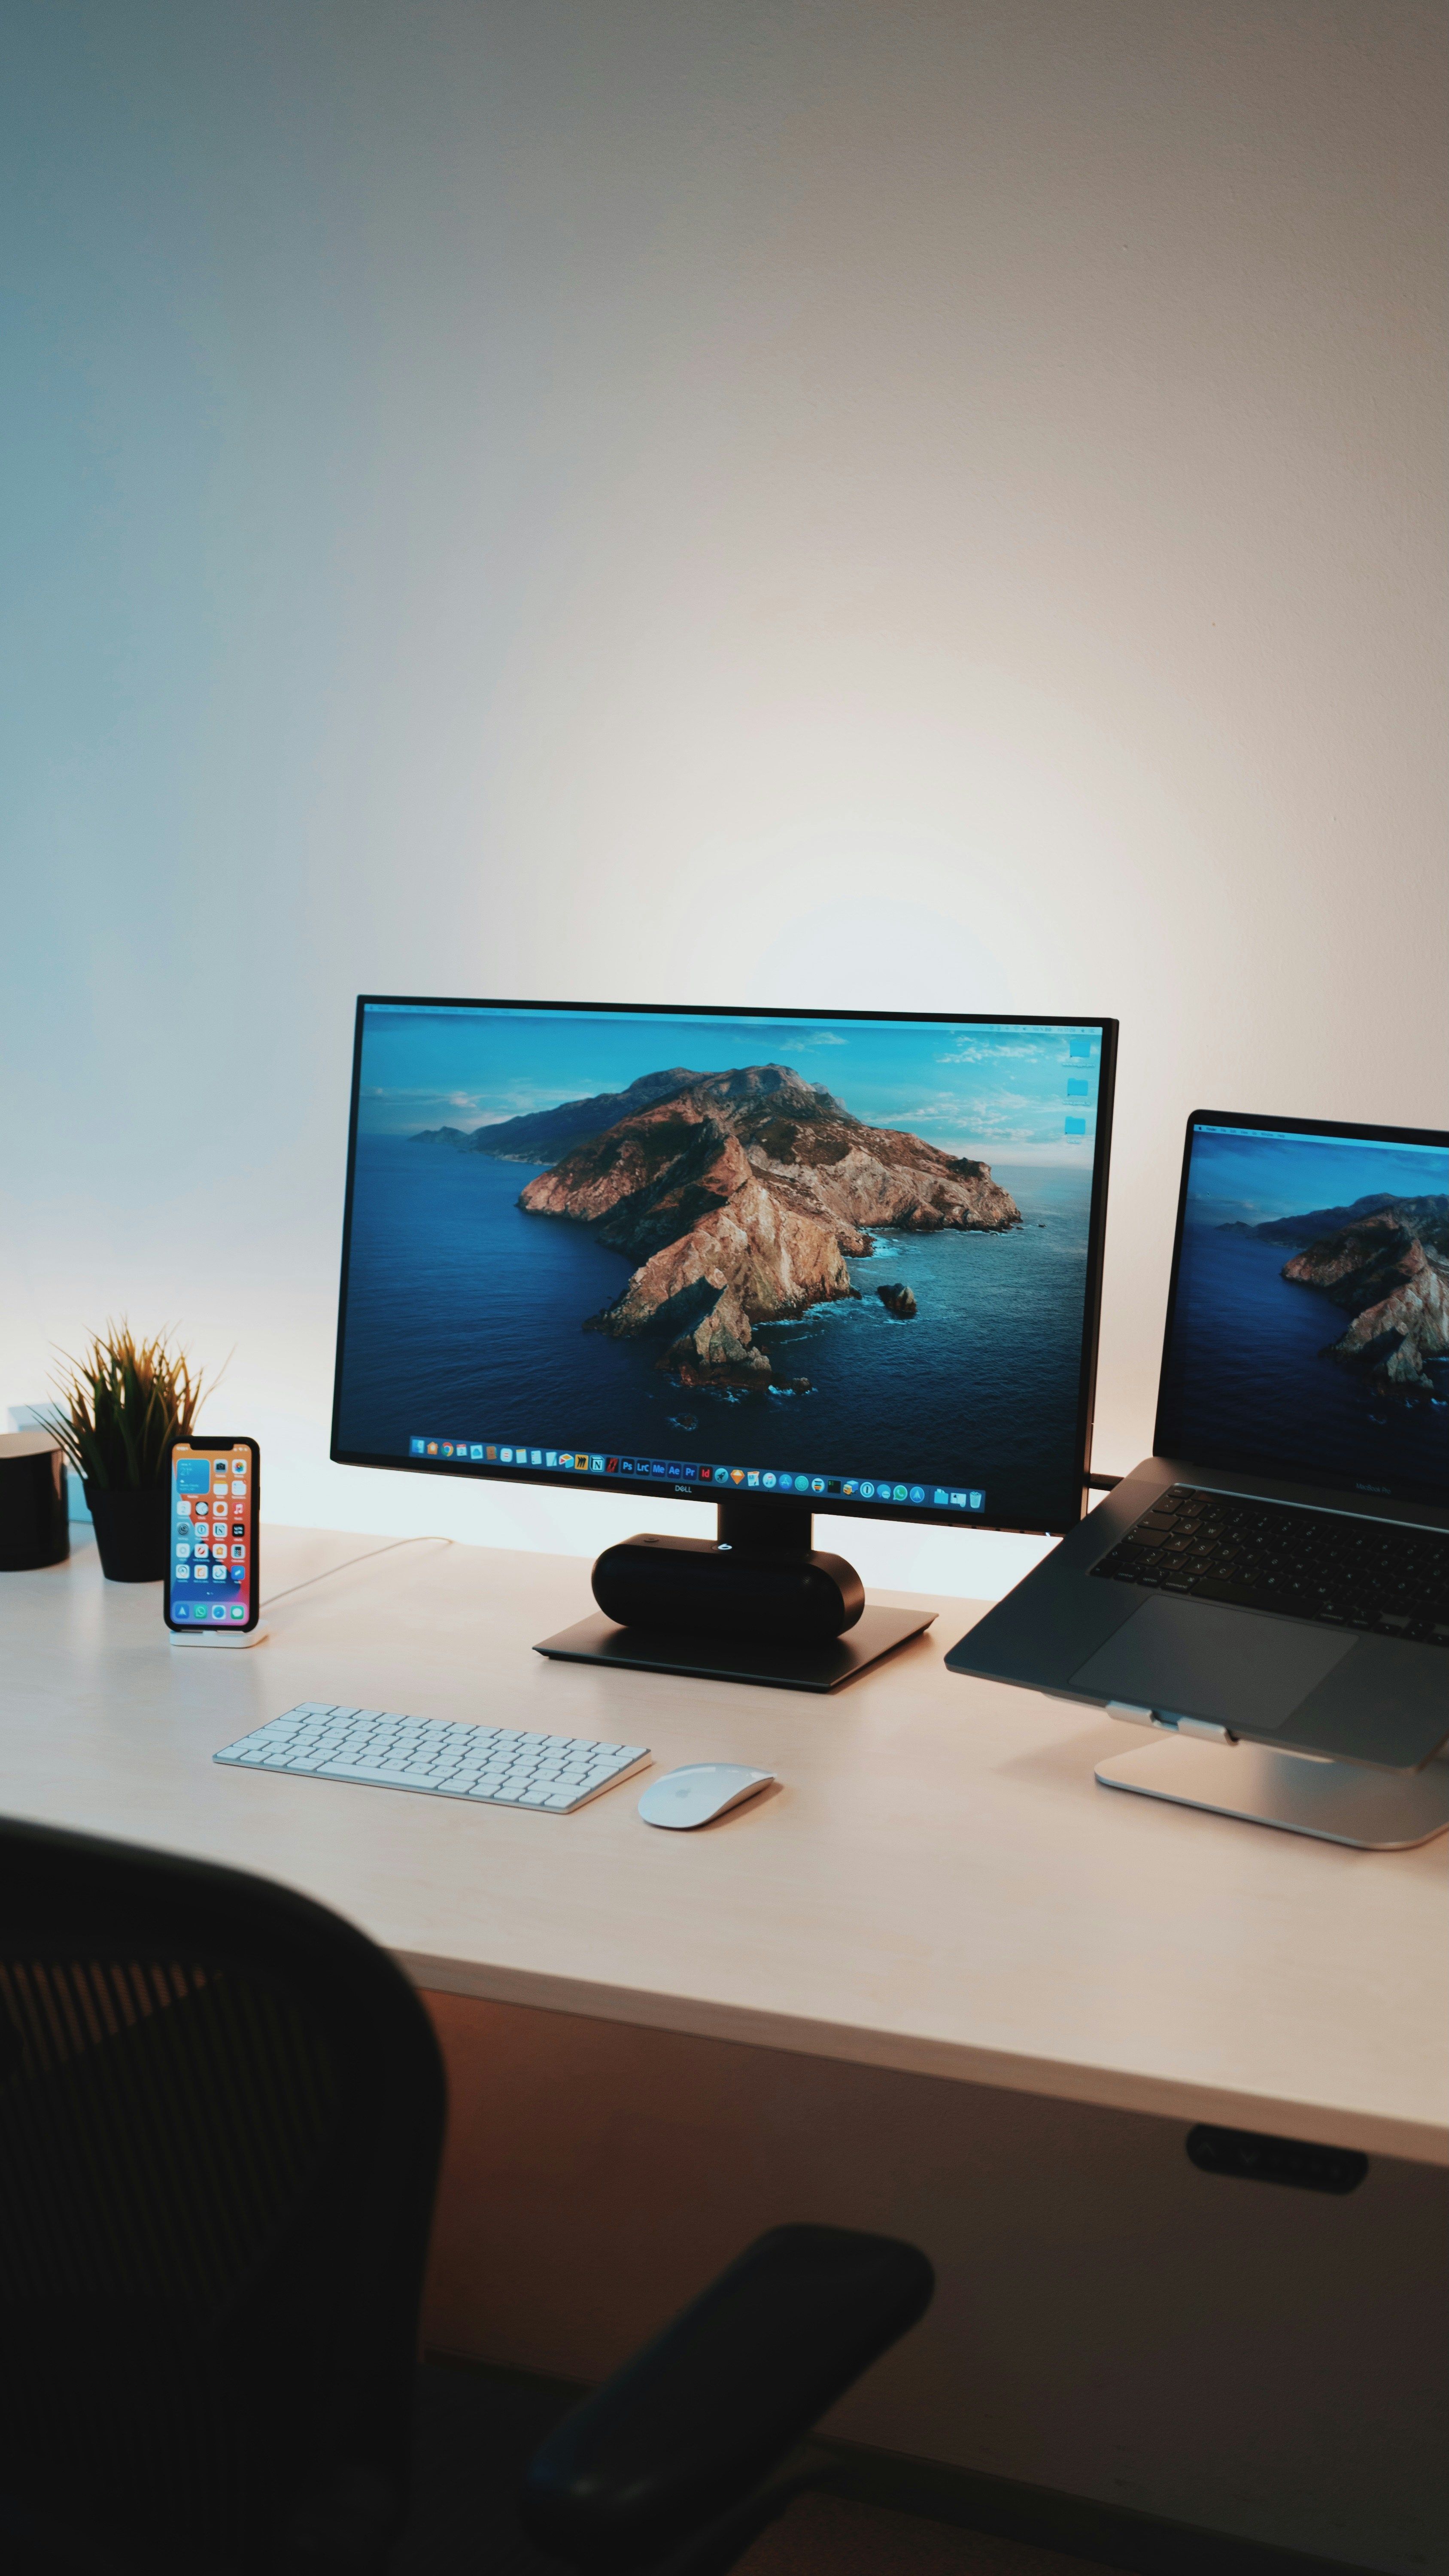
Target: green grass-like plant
point(121, 1406)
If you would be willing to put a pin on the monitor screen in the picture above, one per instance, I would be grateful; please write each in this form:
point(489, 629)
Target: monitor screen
point(845, 1258)
point(1308, 1331)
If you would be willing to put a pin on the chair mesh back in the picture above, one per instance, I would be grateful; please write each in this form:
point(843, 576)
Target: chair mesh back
point(219, 2130)
point(160, 2124)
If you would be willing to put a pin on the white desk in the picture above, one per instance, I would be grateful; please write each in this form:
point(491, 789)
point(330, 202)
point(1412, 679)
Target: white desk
point(938, 1885)
point(939, 1983)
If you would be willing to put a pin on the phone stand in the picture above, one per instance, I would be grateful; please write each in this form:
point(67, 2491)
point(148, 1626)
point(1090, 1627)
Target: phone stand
point(218, 1641)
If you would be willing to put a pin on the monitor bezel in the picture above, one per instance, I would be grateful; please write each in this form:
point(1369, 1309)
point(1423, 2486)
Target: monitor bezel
point(837, 1506)
point(1166, 1440)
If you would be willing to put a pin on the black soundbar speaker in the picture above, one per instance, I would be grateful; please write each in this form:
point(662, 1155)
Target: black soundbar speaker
point(785, 1596)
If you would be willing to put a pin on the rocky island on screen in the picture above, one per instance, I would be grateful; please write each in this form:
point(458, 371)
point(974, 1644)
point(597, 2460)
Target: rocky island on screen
point(741, 1197)
point(1313, 1306)
point(1385, 1261)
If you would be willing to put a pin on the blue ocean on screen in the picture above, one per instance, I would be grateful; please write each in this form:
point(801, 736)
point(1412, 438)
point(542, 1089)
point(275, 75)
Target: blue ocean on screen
point(465, 1320)
point(1341, 1369)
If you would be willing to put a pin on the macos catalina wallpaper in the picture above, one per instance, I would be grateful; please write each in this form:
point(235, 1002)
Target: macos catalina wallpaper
point(851, 1249)
point(1312, 1323)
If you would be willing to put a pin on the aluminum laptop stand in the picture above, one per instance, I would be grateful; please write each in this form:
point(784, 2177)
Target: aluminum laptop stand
point(1196, 1765)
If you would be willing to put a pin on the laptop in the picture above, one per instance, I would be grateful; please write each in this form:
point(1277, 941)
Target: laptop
point(1279, 1568)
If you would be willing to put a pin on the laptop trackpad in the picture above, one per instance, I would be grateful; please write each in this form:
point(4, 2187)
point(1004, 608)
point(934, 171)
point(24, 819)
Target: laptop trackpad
point(1197, 1659)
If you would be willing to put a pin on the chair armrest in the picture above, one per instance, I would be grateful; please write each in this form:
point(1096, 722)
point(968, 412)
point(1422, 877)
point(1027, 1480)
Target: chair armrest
point(700, 2417)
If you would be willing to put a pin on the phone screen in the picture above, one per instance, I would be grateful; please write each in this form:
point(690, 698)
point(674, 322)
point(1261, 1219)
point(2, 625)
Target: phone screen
point(212, 1573)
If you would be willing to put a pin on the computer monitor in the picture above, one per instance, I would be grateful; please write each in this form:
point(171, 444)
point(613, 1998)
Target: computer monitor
point(782, 1262)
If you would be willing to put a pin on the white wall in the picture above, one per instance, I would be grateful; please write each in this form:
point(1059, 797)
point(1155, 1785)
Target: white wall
point(934, 505)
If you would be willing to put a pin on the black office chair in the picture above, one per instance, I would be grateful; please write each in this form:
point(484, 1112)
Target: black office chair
point(221, 2113)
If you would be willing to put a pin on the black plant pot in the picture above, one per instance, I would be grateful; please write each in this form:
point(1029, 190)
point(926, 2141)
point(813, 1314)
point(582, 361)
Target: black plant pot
point(131, 1532)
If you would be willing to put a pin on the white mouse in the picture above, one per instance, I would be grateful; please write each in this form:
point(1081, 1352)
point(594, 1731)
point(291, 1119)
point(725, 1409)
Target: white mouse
point(699, 1792)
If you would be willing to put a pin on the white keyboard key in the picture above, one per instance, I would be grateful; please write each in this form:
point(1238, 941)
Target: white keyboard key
point(358, 1772)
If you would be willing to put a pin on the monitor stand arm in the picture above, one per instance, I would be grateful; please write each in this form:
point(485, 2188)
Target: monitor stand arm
point(757, 1603)
point(775, 1527)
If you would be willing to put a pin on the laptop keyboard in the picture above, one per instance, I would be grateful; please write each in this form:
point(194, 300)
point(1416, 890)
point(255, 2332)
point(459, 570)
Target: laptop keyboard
point(1339, 1571)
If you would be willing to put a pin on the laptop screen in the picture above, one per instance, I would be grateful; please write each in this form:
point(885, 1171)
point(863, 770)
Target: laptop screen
point(1308, 1323)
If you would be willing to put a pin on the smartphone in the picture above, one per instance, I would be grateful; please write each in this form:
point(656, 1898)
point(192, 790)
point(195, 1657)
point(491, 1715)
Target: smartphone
point(211, 1562)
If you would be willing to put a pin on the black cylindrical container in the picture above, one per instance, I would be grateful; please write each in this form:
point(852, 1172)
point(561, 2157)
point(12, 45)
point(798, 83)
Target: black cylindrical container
point(34, 1510)
point(131, 1531)
point(785, 1597)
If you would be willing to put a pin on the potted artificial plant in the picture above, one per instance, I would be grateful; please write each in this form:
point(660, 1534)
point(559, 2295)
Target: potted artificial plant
point(121, 1407)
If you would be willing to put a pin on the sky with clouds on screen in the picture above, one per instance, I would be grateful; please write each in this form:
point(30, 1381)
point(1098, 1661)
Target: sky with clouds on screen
point(1248, 1177)
point(978, 1088)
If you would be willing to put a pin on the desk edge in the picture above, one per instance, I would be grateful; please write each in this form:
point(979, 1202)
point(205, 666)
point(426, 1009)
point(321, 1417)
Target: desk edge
point(1108, 2088)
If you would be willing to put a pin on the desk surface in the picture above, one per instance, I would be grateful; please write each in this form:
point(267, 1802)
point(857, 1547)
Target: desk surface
point(938, 1884)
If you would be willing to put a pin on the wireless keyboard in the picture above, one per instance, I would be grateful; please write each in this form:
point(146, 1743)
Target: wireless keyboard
point(445, 1757)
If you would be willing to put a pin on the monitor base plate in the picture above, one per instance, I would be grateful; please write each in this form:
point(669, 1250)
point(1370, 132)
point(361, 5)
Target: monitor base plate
point(728, 1659)
point(1336, 1802)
